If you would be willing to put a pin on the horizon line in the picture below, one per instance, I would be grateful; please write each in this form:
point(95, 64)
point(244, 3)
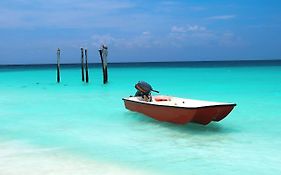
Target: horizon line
point(145, 62)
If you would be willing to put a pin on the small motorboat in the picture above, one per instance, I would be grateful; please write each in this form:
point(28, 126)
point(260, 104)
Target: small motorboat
point(175, 109)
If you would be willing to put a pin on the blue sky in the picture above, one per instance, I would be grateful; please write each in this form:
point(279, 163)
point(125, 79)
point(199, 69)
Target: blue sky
point(183, 30)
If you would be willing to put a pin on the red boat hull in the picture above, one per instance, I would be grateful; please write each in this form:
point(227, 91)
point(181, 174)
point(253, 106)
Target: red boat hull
point(180, 115)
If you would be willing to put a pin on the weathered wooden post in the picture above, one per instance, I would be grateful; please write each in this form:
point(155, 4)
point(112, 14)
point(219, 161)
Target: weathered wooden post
point(58, 65)
point(103, 55)
point(82, 63)
point(86, 60)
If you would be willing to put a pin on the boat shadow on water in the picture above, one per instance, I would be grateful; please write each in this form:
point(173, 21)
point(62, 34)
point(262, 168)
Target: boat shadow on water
point(189, 128)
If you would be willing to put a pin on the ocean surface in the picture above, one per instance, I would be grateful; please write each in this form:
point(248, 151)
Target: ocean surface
point(78, 128)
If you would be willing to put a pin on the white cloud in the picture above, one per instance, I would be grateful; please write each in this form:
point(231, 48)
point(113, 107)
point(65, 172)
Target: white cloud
point(195, 35)
point(222, 17)
point(190, 35)
point(195, 28)
point(142, 40)
point(178, 29)
point(98, 40)
point(188, 28)
point(179, 36)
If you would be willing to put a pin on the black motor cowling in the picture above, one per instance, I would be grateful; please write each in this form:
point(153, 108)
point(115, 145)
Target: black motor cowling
point(144, 87)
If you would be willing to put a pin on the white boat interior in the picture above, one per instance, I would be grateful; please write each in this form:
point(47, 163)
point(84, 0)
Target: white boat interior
point(178, 102)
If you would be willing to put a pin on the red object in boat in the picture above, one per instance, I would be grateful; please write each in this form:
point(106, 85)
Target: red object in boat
point(179, 110)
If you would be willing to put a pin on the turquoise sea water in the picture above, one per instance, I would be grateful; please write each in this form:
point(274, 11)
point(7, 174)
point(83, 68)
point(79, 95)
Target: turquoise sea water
point(89, 121)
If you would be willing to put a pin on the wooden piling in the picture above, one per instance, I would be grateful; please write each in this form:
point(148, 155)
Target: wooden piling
point(86, 60)
point(82, 63)
point(103, 55)
point(58, 65)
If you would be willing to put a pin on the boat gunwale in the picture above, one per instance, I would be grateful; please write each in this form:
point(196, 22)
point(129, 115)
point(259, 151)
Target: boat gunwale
point(181, 107)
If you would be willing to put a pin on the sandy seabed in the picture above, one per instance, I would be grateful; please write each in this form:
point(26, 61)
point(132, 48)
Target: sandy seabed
point(18, 159)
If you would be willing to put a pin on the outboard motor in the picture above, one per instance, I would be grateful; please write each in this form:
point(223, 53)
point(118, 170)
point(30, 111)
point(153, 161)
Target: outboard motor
point(144, 90)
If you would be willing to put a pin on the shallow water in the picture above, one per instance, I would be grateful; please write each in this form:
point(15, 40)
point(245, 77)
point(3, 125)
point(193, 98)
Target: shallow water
point(90, 123)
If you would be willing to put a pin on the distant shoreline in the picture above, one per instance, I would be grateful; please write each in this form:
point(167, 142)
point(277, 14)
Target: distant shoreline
point(215, 63)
